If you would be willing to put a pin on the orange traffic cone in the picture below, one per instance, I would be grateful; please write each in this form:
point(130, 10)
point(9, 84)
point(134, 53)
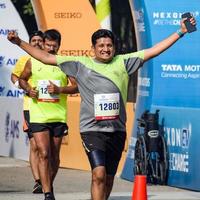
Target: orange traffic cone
point(140, 188)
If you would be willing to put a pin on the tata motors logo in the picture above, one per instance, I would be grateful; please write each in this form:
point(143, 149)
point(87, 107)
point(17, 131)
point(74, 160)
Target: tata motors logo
point(180, 71)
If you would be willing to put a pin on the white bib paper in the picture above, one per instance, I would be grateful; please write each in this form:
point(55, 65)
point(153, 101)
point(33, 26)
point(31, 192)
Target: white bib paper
point(106, 106)
point(44, 96)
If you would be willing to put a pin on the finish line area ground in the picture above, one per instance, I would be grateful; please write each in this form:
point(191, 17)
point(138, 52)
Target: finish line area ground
point(16, 182)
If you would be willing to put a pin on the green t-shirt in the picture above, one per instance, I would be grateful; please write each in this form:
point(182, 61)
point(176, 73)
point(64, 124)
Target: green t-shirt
point(47, 108)
point(103, 89)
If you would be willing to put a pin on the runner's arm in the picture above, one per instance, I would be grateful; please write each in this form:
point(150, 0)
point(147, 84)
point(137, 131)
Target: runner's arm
point(38, 54)
point(166, 43)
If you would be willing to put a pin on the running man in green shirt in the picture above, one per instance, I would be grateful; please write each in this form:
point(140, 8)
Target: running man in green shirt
point(48, 112)
point(103, 85)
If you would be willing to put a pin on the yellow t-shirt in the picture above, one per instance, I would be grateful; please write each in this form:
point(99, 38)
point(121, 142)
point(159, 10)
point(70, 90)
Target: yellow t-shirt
point(17, 70)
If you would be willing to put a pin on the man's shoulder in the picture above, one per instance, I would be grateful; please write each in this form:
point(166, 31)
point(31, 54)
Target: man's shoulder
point(22, 60)
point(21, 63)
point(63, 58)
point(136, 54)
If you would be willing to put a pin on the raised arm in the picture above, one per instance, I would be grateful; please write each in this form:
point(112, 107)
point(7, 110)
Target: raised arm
point(38, 54)
point(166, 43)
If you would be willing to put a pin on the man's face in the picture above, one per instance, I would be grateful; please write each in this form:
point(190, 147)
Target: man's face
point(37, 41)
point(51, 46)
point(104, 50)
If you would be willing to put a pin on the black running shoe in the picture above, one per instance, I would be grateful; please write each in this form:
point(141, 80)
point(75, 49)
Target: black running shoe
point(49, 196)
point(37, 189)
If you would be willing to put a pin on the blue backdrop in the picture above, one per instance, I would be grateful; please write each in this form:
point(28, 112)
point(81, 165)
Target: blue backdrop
point(170, 83)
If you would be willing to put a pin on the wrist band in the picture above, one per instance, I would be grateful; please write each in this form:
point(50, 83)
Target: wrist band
point(180, 33)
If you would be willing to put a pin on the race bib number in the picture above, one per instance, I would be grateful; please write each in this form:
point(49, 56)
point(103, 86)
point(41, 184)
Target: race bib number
point(106, 106)
point(44, 95)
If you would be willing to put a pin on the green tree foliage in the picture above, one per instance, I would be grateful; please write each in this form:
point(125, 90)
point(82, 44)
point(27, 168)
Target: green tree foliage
point(26, 6)
point(28, 9)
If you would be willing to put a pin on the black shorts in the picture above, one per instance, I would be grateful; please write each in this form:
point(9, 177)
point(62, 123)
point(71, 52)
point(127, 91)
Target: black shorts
point(56, 129)
point(26, 126)
point(108, 148)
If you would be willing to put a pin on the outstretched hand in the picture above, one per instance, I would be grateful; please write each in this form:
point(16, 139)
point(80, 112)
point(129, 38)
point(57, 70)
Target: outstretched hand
point(13, 37)
point(183, 27)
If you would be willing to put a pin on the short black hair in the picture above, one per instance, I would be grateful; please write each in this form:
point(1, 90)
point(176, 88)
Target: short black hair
point(102, 33)
point(36, 33)
point(52, 34)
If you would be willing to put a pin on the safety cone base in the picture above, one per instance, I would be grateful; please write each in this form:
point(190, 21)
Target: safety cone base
point(140, 188)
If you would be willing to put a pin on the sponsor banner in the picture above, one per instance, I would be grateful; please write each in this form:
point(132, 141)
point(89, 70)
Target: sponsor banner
point(9, 53)
point(171, 80)
point(75, 19)
point(181, 135)
point(13, 141)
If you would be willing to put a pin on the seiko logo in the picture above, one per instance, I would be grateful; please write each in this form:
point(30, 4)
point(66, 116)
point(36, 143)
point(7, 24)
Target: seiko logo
point(77, 52)
point(64, 15)
point(153, 133)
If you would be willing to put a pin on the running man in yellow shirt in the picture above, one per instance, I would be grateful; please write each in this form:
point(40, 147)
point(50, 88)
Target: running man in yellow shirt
point(35, 40)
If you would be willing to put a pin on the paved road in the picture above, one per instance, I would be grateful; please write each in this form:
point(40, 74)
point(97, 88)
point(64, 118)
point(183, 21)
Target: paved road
point(16, 183)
